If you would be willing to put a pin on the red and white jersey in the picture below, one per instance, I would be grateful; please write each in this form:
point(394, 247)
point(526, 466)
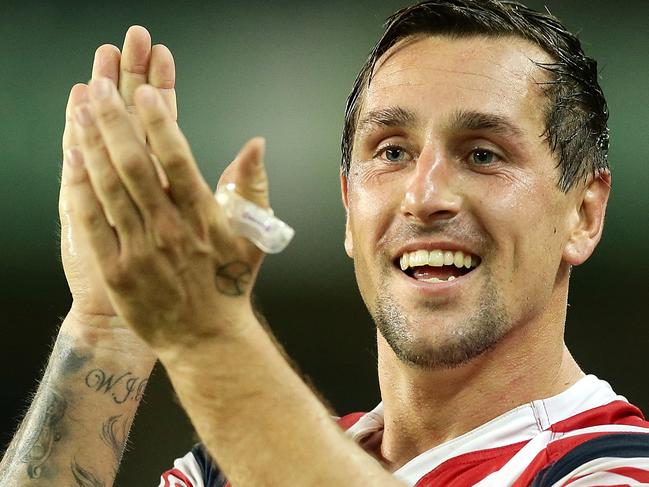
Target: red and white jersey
point(585, 436)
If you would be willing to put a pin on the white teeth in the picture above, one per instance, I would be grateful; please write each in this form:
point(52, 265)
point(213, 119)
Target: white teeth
point(433, 279)
point(436, 279)
point(420, 258)
point(448, 257)
point(459, 259)
point(436, 258)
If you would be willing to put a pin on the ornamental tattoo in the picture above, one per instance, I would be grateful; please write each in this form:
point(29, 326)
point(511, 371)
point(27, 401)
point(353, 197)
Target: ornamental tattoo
point(233, 278)
point(84, 477)
point(39, 446)
point(113, 433)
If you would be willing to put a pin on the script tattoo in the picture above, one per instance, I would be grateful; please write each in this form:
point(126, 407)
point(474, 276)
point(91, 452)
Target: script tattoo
point(121, 387)
point(113, 433)
point(39, 446)
point(84, 477)
point(233, 278)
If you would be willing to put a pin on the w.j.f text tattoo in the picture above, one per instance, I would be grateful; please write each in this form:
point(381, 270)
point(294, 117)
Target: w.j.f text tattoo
point(121, 387)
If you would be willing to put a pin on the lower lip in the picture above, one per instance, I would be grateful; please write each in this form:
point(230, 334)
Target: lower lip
point(437, 288)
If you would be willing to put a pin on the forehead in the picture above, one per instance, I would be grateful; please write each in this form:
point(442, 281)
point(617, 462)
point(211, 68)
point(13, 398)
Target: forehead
point(435, 76)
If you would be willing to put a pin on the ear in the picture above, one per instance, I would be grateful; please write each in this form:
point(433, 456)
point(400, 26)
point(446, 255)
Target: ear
point(344, 191)
point(588, 223)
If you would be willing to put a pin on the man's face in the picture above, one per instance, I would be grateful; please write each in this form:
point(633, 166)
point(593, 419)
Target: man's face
point(450, 166)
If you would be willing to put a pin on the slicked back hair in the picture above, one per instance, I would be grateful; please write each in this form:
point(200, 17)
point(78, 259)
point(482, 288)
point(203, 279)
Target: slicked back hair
point(576, 113)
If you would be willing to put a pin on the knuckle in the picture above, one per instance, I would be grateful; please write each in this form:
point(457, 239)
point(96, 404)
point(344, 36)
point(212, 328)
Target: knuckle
point(91, 220)
point(119, 277)
point(166, 238)
point(175, 160)
point(110, 185)
point(93, 138)
point(109, 116)
point(132, 164)
point(157, 121)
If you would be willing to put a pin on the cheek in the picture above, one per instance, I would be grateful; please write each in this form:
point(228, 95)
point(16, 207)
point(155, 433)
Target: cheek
point(526, 227)
point(372, 209)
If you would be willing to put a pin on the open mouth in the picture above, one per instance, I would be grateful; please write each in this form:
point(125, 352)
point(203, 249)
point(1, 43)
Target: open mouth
point(437, 265)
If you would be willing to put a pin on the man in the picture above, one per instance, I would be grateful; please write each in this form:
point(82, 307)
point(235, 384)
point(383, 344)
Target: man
point(474, 176)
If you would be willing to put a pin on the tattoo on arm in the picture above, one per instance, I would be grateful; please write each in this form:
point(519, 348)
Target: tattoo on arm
point(232, 279)
point(121, 387)
point(84, 477)
point(38, 446)
point(68, 357)
point(113, 433)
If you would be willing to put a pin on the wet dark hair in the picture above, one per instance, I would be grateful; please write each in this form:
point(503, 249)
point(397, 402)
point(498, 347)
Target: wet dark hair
point(576, 113)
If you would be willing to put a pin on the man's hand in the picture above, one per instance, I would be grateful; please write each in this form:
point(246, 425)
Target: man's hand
point(174, 270)
point(137, 64)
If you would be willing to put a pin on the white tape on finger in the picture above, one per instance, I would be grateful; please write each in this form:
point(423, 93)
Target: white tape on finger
point(257, 224)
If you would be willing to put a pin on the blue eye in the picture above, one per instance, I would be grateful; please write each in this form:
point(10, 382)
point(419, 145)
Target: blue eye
point(394, 154)
point(482, 157)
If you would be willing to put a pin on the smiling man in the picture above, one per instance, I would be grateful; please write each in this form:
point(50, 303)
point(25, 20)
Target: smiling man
point(474, 176)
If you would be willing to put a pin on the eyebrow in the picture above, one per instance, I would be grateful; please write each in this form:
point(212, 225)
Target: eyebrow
point(463, 120)
point(387, 117)
point(473, 120)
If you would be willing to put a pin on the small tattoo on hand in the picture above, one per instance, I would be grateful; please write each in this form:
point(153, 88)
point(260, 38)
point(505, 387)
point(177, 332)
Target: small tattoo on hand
point(233, 278)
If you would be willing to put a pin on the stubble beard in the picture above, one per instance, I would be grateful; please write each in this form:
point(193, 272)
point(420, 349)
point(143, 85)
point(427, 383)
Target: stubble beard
point(467, 339)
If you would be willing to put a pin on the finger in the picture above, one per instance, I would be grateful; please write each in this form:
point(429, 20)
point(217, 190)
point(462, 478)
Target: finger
point(106, 63)
point(248, 173)
point(128, 154)
point(134, 65)
point(162, 75)
point(88, 212)
point(78, 94)
point(107, 185)
point(186, 184)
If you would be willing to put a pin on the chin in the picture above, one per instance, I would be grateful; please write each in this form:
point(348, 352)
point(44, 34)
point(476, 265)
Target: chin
point(448, 343)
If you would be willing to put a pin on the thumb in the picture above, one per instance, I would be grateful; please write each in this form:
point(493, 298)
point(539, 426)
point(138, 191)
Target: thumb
point(248, 173)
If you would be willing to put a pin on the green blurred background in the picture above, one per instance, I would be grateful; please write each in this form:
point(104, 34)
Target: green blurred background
point(283, 69)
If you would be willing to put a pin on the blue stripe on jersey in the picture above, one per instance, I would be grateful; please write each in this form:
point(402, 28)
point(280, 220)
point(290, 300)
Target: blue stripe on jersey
point(212, 476)
point(616, 445)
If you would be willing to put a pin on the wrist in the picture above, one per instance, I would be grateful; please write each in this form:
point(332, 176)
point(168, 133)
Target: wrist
point(227, 330)
point(106, 333)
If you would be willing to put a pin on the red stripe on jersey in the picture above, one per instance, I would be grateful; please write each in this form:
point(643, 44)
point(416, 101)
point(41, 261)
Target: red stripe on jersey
point(638, 474)
point(179, 475)
point(616, 412)
point(470, 468)
point(349, 420)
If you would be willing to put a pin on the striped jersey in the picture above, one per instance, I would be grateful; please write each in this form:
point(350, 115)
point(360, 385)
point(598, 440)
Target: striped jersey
point(585, 436)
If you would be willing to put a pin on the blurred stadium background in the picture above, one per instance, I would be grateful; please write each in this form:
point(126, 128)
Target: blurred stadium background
point(283, 69)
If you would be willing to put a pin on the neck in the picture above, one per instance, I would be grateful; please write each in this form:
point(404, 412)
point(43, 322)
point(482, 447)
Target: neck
point(424, 408)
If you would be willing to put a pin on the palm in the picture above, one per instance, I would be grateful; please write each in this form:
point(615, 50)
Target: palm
point(138, 63)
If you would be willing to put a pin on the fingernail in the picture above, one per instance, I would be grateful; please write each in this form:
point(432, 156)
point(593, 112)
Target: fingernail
point(84, 115)
point(73, 157)
point(100, 88)
point(146, 95)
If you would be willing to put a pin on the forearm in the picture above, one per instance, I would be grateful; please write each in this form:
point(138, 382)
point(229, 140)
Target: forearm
point(260, 421)
point(77, 425)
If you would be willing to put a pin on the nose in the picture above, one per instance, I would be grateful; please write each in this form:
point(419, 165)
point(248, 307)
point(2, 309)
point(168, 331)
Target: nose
point(430, 193)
